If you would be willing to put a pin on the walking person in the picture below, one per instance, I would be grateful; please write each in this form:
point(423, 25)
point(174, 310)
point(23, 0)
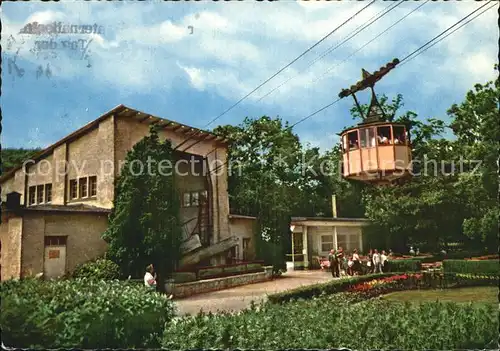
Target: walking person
point(383, 262)
point(369, 263)
point(334, 267)
point(376, 262)
point(341, 261)
point(357, 262)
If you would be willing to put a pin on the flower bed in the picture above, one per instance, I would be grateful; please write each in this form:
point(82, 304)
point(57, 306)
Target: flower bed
point(385, 285)
point(331, 287)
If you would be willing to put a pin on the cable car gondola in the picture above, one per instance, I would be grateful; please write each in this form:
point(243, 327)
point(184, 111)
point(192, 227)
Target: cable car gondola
point(376, 151)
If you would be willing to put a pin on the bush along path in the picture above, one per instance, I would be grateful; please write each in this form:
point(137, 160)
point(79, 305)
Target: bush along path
point(81, 313)
point(335, 321)
point(322, 316)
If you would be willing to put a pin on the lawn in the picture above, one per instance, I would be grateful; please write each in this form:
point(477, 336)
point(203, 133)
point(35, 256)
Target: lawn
point(482, 294)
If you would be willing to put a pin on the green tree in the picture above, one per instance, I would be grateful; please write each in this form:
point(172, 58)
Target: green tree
point(264, 178)
point(447, 200)
point(12, 157)
point(144, 225)
point(476, 124)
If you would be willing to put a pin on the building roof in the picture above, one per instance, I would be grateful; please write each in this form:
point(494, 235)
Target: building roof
point(329, 219)
point(80, 208)
point(124, 111)
point(233, 216)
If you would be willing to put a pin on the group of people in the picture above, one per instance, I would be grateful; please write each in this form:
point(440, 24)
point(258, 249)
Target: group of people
point(352, 264)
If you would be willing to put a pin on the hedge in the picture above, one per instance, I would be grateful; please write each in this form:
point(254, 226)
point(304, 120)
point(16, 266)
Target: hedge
point(473, 267)
point(99, 269)
point(331, 287)
point(184, 277)
point(208, 273)
point(409, 265)
point(254, 267)
point(81, 313)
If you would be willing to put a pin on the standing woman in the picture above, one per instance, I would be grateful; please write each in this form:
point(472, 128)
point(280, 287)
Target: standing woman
point(370, 262)
point(357, 262)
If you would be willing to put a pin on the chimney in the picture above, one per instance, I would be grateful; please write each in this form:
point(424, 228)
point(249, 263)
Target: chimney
point(13, 201)
point(334, 206)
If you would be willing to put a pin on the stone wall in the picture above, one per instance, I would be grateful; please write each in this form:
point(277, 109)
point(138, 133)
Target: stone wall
point(11, 230)
point(203, 286)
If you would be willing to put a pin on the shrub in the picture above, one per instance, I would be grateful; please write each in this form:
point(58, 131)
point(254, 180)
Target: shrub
point(357, 324)
point(331, 287)
point(81, 313)
point(234, 269)
point(409, 265)
point(208, 273)
point(100, 269)
point(254, 267)
point(184, 277)
point(473, 267)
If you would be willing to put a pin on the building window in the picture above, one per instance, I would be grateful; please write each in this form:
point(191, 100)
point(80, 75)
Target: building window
point(342, 241)
point(186, 199)
point(93, 186)
point(354, 242)
point(55, 240)
point(73, 189)
point(195, 199)
point(326, 243)
point(39, 194)
point(48, 193)
point(82, 184)
point(32, 195)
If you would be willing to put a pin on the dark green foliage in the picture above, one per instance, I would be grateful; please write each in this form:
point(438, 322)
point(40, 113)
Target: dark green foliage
point(81, 314)
point(183, 277)
point(254, 267)
point(411, 265)
point(473, 267)
point(144, 226)
point(330, 287)
point(337, 321)
point(208, 273)
point(100, 269)
point(448, 200)
point(15, 157)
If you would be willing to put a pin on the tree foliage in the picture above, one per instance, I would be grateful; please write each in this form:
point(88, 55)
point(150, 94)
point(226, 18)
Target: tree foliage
point(448, 200)
point(144, 225)
point(12, 157)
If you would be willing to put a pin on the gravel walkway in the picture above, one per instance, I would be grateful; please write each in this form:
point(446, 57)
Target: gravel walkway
point(239, 298)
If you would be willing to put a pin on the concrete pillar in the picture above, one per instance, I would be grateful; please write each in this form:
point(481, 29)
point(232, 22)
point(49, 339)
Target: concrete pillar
point(304, 251)
point(335, 242)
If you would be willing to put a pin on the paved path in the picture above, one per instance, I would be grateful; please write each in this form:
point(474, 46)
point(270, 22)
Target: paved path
point(239, 298)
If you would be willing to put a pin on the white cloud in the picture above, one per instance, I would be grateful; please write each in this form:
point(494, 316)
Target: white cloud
point(237, 46)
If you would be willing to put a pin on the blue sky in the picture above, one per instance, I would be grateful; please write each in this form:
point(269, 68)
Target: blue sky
point(147, 59)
